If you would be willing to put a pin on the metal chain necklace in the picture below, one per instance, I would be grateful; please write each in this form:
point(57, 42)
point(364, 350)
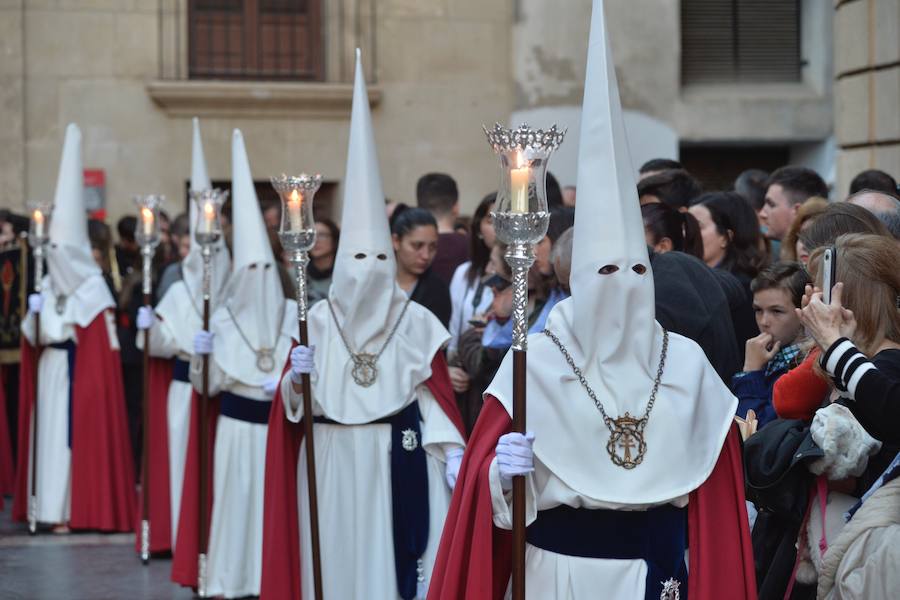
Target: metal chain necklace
point(265, 357)
point(365, 368)
point(626, 432)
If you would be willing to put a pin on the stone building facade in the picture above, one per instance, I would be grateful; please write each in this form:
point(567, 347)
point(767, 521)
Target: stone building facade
point(438, 70)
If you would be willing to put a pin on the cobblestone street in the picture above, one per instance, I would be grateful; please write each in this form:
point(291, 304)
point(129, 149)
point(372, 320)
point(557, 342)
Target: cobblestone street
point(80, 566)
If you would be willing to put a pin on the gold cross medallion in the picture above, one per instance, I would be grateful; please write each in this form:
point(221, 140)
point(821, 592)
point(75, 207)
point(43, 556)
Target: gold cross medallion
point(627, 436)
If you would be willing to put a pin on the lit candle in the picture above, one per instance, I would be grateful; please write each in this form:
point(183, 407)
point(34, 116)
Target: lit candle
point(209, 215)
point(147, 220)
point(294, 211)
point(38, 224)
point(518, 183)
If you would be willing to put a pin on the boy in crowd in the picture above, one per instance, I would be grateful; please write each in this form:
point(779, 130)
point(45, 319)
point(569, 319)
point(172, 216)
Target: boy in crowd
point(777, 291)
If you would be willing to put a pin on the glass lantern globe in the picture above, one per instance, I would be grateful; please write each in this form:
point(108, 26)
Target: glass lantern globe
point(208, 225)
point(298, 227)
point(521, 214)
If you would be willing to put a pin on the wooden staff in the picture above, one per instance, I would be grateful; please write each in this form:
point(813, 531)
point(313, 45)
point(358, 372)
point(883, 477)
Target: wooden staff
point(520, 257)
point(518, 503)
point(300, 268)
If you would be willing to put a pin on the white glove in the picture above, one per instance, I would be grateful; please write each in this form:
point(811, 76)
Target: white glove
point(270, 387)
point(454, 458)
point(35, 303)
point(302, 362)
point(514, 457)
point(145, 317)
point(203, 342)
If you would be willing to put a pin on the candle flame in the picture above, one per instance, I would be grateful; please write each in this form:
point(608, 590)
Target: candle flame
point(520, 160)
point(38, 216)
point(296, 198)
point(209, 210)
point(147, 215)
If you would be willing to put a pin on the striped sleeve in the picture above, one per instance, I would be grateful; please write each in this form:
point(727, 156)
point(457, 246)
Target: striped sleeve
point(846, 365)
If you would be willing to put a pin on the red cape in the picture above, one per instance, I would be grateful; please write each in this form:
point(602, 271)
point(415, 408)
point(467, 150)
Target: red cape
point(103, 495)
point(281, 527)
point(7, 469)
point(474, 558)
point(160, 511)
point(187, 544)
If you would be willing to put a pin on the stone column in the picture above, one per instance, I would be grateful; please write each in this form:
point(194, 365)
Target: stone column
point(12, 106)
point(867, 88)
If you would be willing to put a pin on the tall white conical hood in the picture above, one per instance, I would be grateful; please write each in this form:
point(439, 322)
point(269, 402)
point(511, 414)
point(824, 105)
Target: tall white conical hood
point(364, 292)
point(609, 231)
point(366, 299)
point(182, 305)
point(199, 176)
point(254, 295)
point(608, 328)
point(69, 257)
point(192, 265)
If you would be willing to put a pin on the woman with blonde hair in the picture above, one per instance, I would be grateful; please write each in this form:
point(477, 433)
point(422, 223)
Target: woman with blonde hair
point(792, 248)
point(859, 334)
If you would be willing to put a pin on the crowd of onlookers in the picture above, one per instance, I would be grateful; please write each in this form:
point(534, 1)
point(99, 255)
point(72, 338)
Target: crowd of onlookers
point(738, 271)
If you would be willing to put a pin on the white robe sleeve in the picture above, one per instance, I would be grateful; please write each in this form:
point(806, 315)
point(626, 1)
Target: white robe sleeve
point(439, 434)
point(163, 343)
point(502, 502)
point(293, 402)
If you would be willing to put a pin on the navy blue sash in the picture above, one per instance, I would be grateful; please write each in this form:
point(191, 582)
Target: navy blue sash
point(409, 494)
point(181, 370)
point(657, 536)
point(244, 409)
point(69, 347)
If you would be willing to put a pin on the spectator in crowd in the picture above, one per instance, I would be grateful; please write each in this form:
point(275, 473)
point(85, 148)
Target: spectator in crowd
point(437, 193)
point(837, 219)
point(675, 187)
point(667, 229)
point(874, 181)
point(657, 165)
point(554, 193)
point(11, 225)
point(181, 241)
point(128, 254)
point(561, 219)
point(415, 236)
point(321, 260)
point(568, 195)
point(777, 292)
point(690, 299)
point(731, 237)
point(271, 211)
point(730, 234)
point(751, 185)
point(859, 332)
point(469, 295)
point(786, 189)
point(100, 236)
point(884, 206)
point(561, 257)
point(859, 335)
point(792, 248)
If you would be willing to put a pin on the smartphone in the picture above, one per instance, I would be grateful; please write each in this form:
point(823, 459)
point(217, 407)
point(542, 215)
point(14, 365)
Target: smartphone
point(829, 274)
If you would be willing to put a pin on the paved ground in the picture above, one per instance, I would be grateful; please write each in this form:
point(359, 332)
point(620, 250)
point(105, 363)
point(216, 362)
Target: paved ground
point(82, 566)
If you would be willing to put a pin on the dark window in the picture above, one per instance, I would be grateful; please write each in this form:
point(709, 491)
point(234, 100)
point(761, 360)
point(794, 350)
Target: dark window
point(718, 166)
point(740, 41)
point(255, 39)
